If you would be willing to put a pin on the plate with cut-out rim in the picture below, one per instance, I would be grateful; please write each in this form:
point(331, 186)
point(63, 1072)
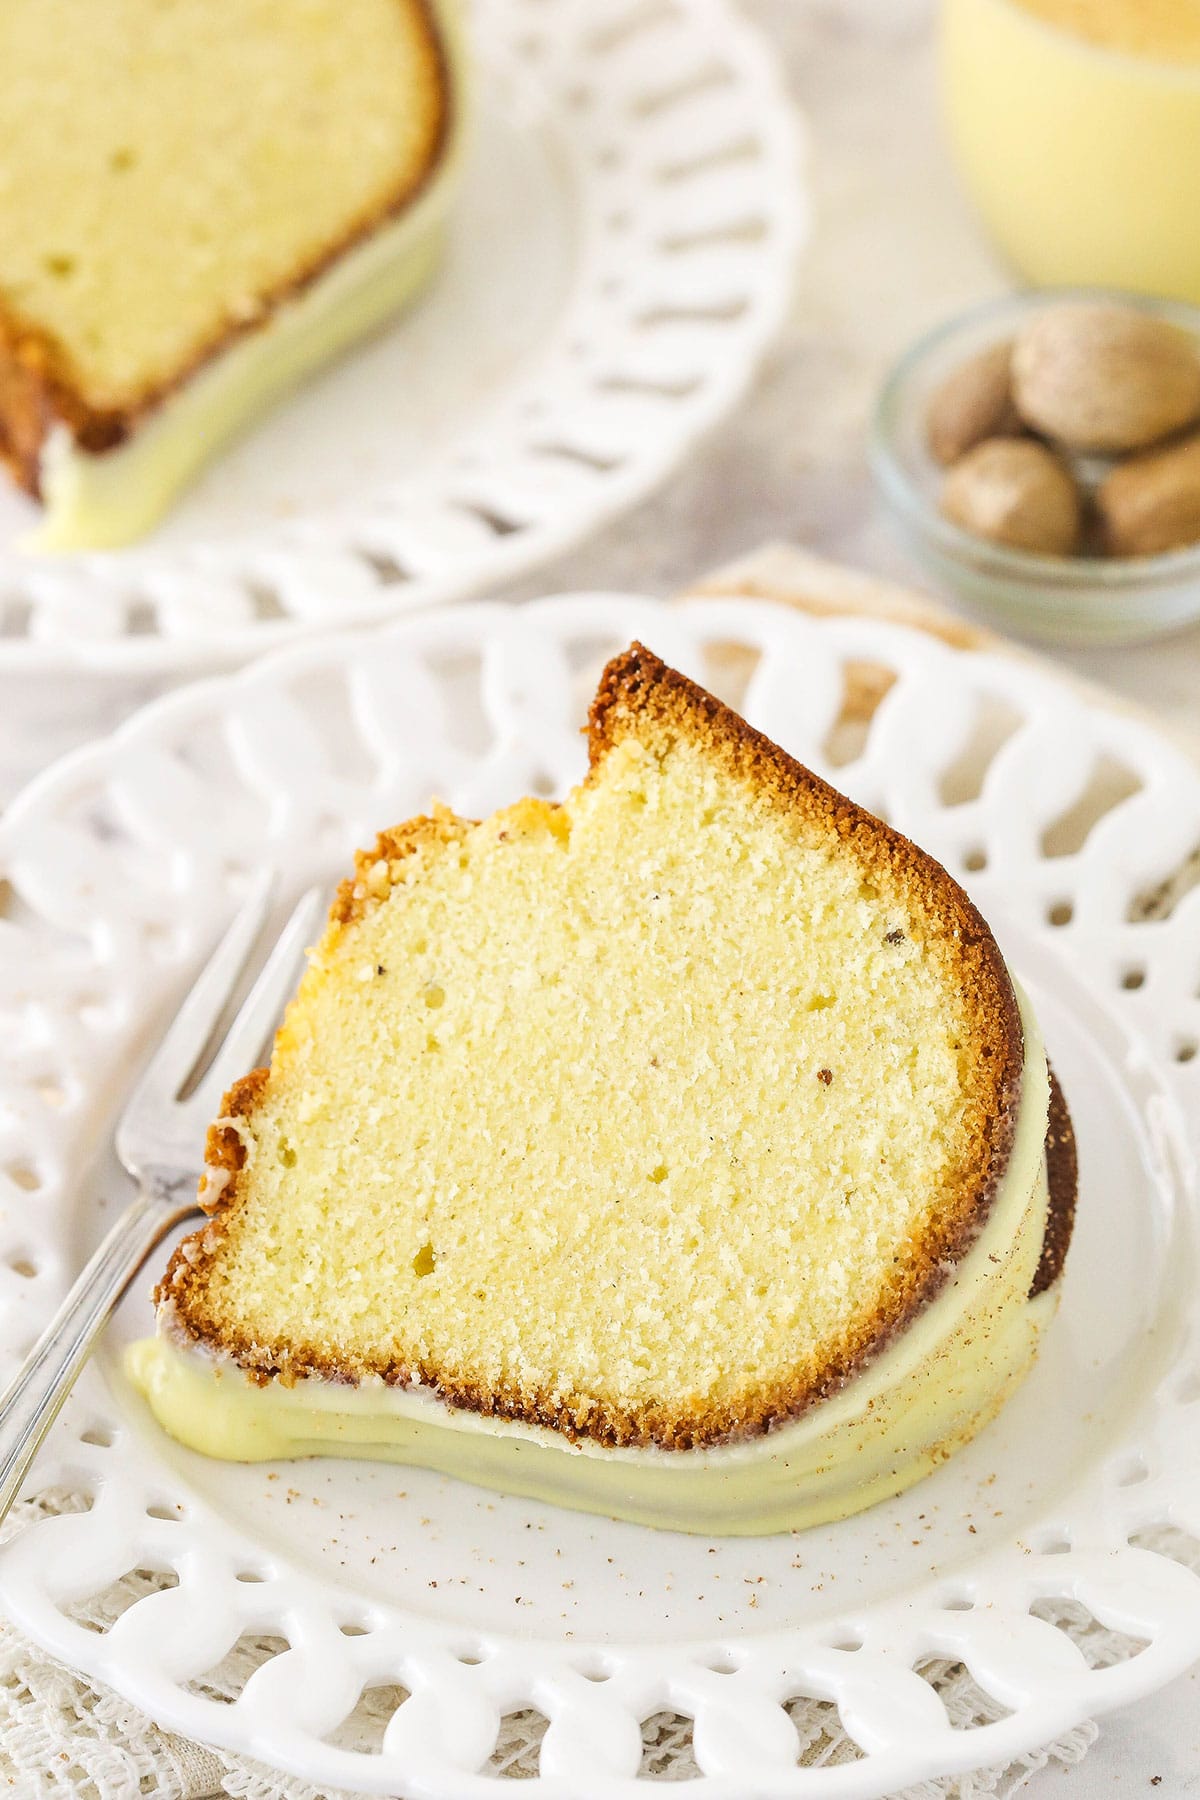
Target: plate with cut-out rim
point(622, 251)
point(272, 1607)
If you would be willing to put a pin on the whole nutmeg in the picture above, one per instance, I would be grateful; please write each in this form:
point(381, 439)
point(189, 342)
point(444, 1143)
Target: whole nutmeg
point(1013, 491)
point(1152, 502)
point(974, 402)
point(1098, 376)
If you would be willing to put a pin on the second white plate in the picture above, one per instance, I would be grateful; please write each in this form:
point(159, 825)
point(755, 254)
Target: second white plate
point(622, 251)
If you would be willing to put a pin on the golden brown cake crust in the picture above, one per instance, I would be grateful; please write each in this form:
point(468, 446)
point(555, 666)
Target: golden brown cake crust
point(1062, 1176)
point(38, 385)
point(373, 869)
point(636, 686)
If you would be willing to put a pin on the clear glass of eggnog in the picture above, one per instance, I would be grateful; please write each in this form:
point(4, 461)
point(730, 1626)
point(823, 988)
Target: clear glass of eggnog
point(1076, 124)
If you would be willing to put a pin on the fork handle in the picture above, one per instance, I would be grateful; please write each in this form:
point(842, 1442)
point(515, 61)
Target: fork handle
point(32, 1401)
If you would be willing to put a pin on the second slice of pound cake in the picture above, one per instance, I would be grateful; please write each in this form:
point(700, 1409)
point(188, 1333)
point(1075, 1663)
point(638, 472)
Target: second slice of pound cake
point(683, 1152)
point(199, 203)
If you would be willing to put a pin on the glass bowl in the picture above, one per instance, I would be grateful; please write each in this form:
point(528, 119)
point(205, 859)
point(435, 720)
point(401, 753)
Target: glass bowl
point(1055, 599)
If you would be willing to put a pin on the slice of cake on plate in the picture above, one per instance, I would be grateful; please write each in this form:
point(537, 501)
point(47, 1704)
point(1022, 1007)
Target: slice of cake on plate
point(683, 1152)
point(198, 205)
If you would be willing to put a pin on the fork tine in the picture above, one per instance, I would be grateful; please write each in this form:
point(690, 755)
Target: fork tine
point(245, 1038)
point(176, 1056)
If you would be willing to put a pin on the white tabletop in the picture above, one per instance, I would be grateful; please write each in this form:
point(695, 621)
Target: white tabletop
point(896, 249)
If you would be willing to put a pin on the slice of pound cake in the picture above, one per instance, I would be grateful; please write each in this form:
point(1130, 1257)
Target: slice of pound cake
point(683, 1152)
point(198, 204)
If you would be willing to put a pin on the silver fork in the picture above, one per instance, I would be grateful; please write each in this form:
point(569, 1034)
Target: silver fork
point(160, 1140)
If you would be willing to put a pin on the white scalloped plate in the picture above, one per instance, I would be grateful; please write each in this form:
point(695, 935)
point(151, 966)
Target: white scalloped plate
point(122, 862)
point(621, 253)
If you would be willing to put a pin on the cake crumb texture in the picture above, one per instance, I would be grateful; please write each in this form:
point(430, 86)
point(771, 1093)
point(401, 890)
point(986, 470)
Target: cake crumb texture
point(648, 1117)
